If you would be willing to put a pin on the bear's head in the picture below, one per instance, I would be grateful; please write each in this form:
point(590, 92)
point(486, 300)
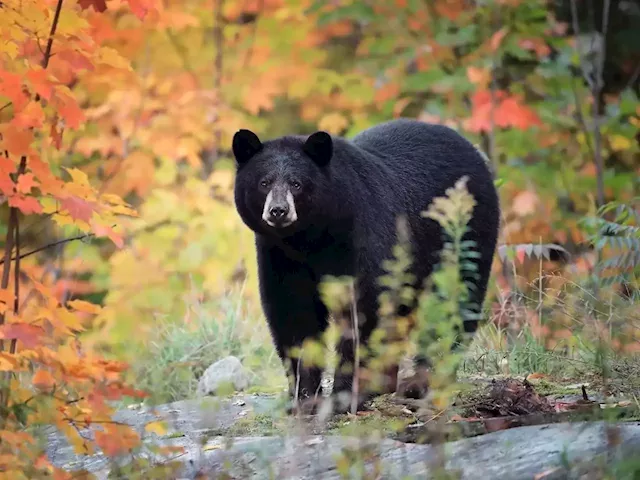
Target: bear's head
point(280, 184)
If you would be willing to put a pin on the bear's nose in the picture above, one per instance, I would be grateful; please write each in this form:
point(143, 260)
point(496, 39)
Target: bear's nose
point(279, 212)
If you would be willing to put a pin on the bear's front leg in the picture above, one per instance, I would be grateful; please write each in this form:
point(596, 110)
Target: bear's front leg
point(296, 317)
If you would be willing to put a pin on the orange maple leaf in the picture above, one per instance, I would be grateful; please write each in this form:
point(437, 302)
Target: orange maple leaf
point(43, 380)
point(30, 116)
point(17, 141)
point(11, 87)
point(26, 182)
point(7, 167)
point(68, 109)
point(25, 204)
point(40, 83)
point(496, 38)
point(117, 439)
point(512, 113)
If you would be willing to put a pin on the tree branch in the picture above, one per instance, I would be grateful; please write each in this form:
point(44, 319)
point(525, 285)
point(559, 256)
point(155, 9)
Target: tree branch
point(254, 29)
point(19, 257)
point(16, 281)
point(218, 41)
point(54, 26)
point(596, 85)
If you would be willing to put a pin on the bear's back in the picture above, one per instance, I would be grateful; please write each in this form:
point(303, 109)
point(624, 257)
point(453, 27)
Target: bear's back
point(423, 160)
point(428, 147)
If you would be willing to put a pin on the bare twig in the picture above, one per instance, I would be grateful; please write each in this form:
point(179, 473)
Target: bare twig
point(218, 41)
point(54, 26)
point(576, 31)
point(596, 84)
point(12, 227)
point(16, 281)
point(19, 257)
point(8, 248)
point(254, 28)
point(634, 77)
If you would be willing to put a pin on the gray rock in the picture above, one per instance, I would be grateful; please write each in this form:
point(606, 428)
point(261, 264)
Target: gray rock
point(225, 373)
point(560, 450)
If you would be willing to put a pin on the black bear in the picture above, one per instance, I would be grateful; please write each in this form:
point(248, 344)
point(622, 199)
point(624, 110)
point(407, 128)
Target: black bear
point(322, 205)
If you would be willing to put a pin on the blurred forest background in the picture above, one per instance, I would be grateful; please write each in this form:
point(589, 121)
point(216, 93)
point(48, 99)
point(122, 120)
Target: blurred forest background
point(121, 242)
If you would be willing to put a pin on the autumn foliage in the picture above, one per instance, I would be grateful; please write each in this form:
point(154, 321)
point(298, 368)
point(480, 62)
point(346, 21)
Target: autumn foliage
point(115, 121)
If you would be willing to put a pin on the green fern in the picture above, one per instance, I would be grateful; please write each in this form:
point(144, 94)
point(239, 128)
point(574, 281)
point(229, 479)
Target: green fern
point(619, 238)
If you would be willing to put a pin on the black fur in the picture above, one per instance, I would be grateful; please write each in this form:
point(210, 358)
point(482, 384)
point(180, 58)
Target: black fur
point(350, 194)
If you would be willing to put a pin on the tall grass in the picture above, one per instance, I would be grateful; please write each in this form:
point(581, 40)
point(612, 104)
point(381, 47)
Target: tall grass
point(181, 349)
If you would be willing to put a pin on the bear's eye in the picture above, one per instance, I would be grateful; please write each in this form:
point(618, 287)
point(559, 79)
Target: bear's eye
point(264, 184)
point(296, 185)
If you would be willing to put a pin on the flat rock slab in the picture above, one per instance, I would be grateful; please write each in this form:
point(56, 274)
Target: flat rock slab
point(560, 450)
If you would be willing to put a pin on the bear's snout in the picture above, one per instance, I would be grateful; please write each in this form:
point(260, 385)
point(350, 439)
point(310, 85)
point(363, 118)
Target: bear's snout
point(279, 208)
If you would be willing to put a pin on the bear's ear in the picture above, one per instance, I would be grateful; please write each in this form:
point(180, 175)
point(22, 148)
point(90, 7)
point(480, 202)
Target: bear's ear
point(245, 145)
point(319, 147)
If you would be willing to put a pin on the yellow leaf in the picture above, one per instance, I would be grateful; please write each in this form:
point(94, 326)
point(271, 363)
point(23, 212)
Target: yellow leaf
point(79, 444)
point(8, 362)
point(49, 205)
point(620, 143)
point(333, 123)
point(43, 380)
point(62, 220)
point(157, 427)
point(82, 306)
point(10, 49)
point(70, 23)
point(111, 57)
point(113, 199)
point(68, 319)
point(78, 176)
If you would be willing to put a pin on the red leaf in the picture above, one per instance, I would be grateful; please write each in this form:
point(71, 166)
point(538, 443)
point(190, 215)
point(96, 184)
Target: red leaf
point(139, 7)
point(26, 205)
point(507, 111)
point(29, 335)
point(105, 231)
point(512, 113)
point(79, 209)
point(98, 5)
point(26, 182)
